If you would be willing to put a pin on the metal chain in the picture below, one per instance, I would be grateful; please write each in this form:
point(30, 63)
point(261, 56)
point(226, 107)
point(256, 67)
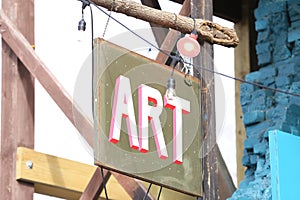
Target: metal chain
point(109, 16)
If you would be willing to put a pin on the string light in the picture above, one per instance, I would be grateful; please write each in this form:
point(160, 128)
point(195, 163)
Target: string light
point(82, 23)
point(170, 93)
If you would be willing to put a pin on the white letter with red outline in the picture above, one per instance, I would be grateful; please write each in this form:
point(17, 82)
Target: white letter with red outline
point(123, 108)
point(147, 112)
point(179, 106)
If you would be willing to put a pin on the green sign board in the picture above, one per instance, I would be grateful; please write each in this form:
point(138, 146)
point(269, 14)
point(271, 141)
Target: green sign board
point(140, 132)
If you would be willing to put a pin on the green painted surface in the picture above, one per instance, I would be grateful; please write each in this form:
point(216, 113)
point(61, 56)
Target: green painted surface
point(113, 61)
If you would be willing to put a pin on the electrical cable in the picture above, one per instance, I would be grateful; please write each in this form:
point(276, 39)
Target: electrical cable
point(159, 193)
point(93, 92)
point(148, 190)
point(93, 64)
point(84, 4)
point(134, 33)
point(194, 65)
point(171, 56)
point(104, 184)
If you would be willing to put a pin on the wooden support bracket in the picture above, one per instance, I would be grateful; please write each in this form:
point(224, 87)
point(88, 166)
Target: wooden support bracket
point(207, 30)
point(95, 186)
point(60, 177)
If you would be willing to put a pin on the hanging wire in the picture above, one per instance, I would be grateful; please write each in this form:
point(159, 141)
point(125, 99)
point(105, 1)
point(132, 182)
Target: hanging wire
point(159, 193)
point(148, 190)
point(104, 183)
point(86, 3)
point(109, 16)
point(194, 65)
point(93, 64)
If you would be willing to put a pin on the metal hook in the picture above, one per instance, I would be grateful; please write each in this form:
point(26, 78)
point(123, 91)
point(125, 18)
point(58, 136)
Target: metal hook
point(194, 31)
point(188, 79)
point(186, 69)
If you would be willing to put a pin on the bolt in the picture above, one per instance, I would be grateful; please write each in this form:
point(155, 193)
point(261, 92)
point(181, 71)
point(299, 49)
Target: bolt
point(29, 164)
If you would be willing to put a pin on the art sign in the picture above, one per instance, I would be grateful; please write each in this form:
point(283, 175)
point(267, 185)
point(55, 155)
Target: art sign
point(139, 131)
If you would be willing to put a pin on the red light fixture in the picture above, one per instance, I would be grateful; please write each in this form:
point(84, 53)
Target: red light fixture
point(188, 46)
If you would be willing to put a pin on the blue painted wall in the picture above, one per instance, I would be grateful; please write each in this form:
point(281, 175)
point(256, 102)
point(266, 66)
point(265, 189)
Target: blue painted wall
point(278, 53)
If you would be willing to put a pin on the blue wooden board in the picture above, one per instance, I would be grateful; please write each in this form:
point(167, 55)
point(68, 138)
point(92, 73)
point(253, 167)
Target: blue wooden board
point(285, 165)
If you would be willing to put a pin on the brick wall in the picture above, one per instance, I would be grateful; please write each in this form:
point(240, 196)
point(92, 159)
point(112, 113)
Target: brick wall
point(278, 53)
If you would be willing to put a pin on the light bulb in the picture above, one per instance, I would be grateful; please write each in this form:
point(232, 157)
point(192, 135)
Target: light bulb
point(81, 25)
point(170, 93)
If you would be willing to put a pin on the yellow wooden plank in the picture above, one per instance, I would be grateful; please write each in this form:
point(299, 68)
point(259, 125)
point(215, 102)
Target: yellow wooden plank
point(242, 67)
point(115, 190)
point(60, 177)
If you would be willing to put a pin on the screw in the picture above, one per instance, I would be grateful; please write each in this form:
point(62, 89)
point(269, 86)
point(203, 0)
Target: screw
point(29, 164)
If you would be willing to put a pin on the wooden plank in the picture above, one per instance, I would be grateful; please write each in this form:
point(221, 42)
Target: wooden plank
point(241, 68)
point(38, 69)
point(95, 186)
point(159, 32)
point(225, 184)
point(204, 9)
point(59, 177)
point(173, 35)
point(17, 103)
point(116, 192)
point(135, 190)
point(229, 10)
point(32, 62)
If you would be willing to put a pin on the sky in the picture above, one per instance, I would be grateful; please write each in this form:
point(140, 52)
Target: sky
point(65, 51)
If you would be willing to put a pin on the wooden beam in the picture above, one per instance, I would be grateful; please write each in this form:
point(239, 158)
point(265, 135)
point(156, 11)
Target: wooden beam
point(204, 9)
point(229, 10)
point(38, 69)
point(225, 184)
point(207, 30)
point(95, 186)
point(59, 177)
point(172, 36)
point(158, 31)
point(135, 190)
point(241, 68)
point(17, 103)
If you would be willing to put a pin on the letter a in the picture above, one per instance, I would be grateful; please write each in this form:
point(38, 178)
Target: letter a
point(123, 108)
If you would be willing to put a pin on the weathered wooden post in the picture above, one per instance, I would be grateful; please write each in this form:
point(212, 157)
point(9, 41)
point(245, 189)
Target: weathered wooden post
point(17, 103)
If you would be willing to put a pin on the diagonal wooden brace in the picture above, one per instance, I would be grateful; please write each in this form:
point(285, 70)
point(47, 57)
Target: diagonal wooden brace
point(24, 51)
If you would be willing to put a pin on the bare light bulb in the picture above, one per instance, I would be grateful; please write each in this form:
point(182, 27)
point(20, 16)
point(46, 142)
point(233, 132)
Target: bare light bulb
point(170, 93)
point(81, 25)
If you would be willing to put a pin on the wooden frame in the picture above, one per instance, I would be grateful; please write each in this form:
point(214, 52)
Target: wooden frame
point(24, 52)
point(17, 103)
point(20, 66)
point(60, 177)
